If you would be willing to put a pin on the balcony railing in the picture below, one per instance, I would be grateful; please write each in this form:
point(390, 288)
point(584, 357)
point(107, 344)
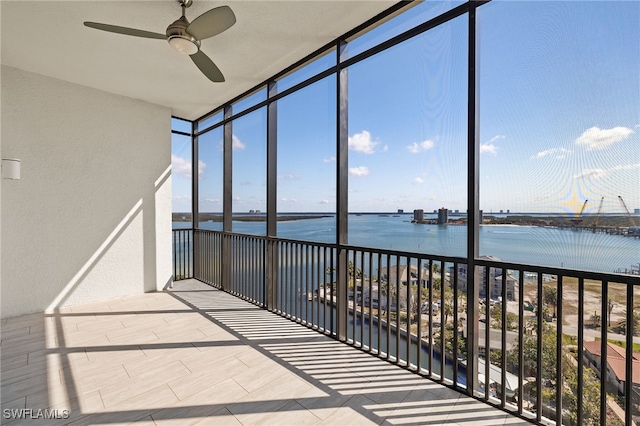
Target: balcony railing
point(182, 254)
point(541, 334)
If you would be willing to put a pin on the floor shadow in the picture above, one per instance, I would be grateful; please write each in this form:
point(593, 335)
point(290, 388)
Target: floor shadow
point(348, 385)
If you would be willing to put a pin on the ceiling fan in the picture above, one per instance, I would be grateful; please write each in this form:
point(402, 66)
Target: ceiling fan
point(185, 37)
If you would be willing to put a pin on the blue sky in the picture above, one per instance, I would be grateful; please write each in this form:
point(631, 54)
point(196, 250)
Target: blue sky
point(559, 120)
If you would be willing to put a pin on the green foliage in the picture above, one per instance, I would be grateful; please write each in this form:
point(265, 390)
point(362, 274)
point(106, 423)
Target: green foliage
point(530, 353)
point(590, 396)
point(511, 322)
point(622, 325)
point(623, 344)
point(568, 340)
point(448, 301)
point(495, 356)
point(591, 387)
point(550, 297)
point(448, 340)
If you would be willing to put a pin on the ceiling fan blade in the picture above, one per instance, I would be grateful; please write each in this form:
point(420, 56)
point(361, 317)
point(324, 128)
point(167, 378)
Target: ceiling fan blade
point(125, 30)
point(208, 68)
point(212, 22)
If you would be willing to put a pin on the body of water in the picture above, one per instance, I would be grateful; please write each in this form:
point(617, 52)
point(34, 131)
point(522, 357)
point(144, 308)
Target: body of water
point(582, 250)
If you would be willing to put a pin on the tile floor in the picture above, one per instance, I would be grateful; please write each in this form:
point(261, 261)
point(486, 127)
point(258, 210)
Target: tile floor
point(197, 355)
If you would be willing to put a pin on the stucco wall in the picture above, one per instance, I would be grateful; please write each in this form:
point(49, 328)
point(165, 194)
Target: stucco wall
point(91, 217)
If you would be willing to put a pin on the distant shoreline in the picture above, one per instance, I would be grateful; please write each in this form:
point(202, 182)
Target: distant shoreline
point(245, 218)
point(557, 221)
point(548, 220)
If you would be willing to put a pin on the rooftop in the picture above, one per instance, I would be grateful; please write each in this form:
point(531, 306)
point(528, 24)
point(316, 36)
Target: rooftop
point(616, 359)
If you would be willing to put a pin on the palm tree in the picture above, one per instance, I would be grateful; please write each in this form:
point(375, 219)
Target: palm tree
point(448, 304)
point(610, 306)
point(351, 270)
point(635, 319)
point(550, 297)
point(332, 284)
point(385, 289)
point(595, 318)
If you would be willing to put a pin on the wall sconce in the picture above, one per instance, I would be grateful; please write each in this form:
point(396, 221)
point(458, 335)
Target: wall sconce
point(10, 168)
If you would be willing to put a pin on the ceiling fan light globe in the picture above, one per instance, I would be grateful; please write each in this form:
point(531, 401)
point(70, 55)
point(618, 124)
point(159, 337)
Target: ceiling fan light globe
point(184, 45)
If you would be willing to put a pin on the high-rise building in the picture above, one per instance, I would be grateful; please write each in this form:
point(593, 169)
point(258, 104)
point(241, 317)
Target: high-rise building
point(443, 216)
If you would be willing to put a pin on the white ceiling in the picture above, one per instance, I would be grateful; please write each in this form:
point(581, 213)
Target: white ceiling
point(49, 38)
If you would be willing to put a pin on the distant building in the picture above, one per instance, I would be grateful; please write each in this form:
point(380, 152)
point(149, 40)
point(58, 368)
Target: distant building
point(501, 211)
point(636, 211)
point(418, 215)
point(508, 211)
point(443, 216)
point(400, 211)
point(495, 281)
point(616, 360)
point(391, 275)
point(634, 230)
point(457, 211)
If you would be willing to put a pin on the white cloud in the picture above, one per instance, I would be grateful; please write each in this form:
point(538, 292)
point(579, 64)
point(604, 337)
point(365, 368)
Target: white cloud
point(323, 202)
point(330, 160)
point(557, 152)
point(290, 176)
point(236, 143)
point(596, 138)
point(361, 142)
point(385, 148)
point(359, 171)
point(245, 183)
point(598, 173)
point(488, 148)
point(418, 181)
point(182, 167)
point(289, 200)
point(626, 167)
point(591, 173)
point(422, 146)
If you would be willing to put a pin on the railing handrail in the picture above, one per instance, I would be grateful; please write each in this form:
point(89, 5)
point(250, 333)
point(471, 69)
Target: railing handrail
point(414, 255)
point(596, 275)
point(551, 270)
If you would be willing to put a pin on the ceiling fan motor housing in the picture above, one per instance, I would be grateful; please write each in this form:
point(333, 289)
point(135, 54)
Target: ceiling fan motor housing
point(180, 39)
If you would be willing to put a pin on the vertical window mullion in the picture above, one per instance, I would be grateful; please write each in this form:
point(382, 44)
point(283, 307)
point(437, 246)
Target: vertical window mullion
point(473, 188)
